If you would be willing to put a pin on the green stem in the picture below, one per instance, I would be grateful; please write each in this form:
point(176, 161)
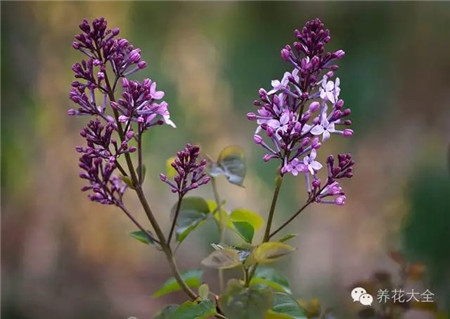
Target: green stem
point(221, 229)
point(174, 222)
point(290, 218)
point(278, 182)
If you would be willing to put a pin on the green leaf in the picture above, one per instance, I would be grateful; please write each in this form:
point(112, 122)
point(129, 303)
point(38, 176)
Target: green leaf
point(203, 291)
point(246, 215)
point(193, 213)
point(270, 277)
point(287, 237)
point(191, 277)
point(127, 181)
point(222, 259)
point(170, 171)
point(190, 310)
point(271, 251)
point(245, 230)
point(239, 302)
point(143, 238)
point(287, 305)
point(231, 163)
point(167, 312)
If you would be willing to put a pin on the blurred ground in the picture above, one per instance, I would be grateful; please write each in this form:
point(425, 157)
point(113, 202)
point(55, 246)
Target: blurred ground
point(65, 257)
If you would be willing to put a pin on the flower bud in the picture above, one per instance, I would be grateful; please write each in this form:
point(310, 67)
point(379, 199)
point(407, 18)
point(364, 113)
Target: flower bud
point(314, 106)
point(257, 139)
point(348, 132)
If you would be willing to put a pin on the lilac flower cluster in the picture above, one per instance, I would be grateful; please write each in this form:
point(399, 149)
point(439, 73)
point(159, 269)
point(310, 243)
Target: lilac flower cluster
point(139, 108)
point(303, 110)
point(190, 172)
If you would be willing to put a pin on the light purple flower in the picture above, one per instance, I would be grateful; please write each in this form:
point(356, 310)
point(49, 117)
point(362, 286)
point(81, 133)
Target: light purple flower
point(329, 91)
point(312, 165)
point(295, 167)
point(325, 128)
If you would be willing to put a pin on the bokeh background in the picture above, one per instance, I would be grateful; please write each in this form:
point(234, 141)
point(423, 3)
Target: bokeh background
point(65, 257)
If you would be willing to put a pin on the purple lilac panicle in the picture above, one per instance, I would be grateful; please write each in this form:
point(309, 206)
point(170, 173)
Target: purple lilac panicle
point(108, 136)
point(190, 172)
point(303, 110)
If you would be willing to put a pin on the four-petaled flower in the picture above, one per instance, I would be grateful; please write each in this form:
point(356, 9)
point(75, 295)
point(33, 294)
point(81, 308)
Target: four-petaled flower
point(311, 164)
point(325, 128)
point(330, 90)
point(295, 167)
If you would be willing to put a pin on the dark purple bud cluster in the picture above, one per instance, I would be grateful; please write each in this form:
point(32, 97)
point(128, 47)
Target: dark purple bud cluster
point(108, 136)
point(190, 171)
point(101, 45)
point(343, 169)
point(303, 109)
point(101, 144)
point(106, 188)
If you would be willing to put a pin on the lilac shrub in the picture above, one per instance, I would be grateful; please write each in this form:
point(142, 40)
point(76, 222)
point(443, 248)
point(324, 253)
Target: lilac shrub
point(294, 118)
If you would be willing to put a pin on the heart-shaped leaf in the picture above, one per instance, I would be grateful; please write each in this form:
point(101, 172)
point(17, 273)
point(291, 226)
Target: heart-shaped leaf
point(222, 259)
point(193, 213)
point(246, 231)
point(231, 163)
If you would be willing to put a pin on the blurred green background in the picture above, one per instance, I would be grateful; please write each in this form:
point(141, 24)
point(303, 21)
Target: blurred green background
point(65, 257)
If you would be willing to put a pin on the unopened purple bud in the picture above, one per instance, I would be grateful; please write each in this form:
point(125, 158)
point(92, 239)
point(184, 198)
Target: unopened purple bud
point(100, 75)
point(348, 132)
point(270, 131)
point(262, 93)
point(330, 159)
point(71, 112)
point(315, 143)
point(123, 42)
point(339, 54)
point(130, 135)
point(347, 112)
point(267, 157)
point(135, 55)
point(142, 65)
point(251, 116)
point(110, 119)
point(347, 122)
point(329, 74)
point(96, 62)
point(114, 105)
point(340, 200)
point(79, 149)
point(315, 61)
point(316, 183)
point(132, 149)
point(339, 104)
point(115, 31)
point(75, 45)
point(257, 139)
point(314, 106)
point(285, 54)
point(162, 177)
